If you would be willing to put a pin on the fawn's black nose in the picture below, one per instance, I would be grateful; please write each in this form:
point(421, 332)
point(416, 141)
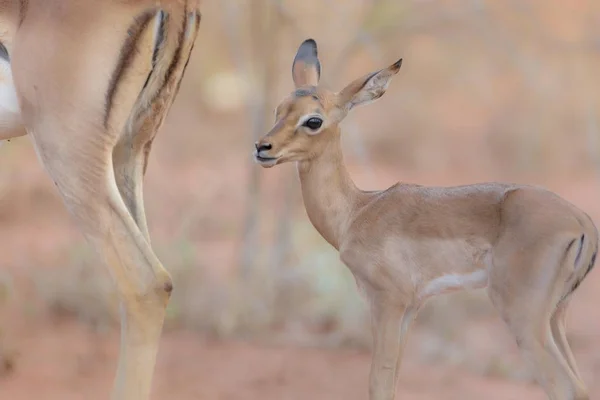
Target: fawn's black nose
point(262, 146)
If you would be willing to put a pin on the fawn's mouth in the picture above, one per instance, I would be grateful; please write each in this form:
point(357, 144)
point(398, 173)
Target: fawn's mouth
point(266, 162)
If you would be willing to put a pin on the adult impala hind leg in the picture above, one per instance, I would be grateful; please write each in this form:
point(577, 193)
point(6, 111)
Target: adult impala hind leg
point(64, 109)
point(131, 153)
point(90, 193)
point(129, 160)
point(525, 285)
point(128, 163)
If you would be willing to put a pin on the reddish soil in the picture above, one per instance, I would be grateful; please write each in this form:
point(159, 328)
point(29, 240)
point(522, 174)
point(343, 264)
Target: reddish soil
point(67, 362)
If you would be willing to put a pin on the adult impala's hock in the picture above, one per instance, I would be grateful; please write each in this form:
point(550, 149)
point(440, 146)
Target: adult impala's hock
point(91, 82)
point(405, 244)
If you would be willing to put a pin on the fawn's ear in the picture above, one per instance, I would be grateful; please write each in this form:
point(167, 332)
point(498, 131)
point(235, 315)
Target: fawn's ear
point(306, 69)
point(368, 88)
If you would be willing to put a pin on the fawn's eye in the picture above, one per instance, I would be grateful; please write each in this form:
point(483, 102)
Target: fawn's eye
point(313, 123)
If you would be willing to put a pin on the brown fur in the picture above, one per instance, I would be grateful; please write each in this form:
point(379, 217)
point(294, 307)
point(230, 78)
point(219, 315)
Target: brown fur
point(410, 242)
point(94, 82)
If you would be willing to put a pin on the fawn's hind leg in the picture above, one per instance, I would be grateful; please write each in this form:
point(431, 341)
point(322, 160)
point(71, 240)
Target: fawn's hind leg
point(526, 286)
point(558, 325)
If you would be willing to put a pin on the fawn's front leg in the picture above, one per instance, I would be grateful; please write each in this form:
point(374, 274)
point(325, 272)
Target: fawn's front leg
point(390, 323)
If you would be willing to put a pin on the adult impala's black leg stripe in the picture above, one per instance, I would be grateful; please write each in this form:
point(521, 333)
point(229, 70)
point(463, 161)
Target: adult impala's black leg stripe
point(125, 58)
point(158, 44)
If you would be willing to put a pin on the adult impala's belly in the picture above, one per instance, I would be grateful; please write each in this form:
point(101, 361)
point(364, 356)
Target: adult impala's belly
point(10, 115)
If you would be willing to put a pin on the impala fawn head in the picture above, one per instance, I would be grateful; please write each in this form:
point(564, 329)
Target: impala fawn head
point(308, 118)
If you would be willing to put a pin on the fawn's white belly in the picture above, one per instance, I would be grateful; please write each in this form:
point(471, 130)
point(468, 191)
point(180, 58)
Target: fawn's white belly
point(453, 282)
point(435, 266)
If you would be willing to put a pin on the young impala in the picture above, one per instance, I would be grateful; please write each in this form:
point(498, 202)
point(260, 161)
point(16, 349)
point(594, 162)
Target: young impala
point(91, 82)
point(405, 244)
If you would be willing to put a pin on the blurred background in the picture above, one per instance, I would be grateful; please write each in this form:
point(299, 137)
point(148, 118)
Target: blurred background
point(263, 309)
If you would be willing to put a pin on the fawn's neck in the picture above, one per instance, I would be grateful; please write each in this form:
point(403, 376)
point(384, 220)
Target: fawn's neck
point(330, 196)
